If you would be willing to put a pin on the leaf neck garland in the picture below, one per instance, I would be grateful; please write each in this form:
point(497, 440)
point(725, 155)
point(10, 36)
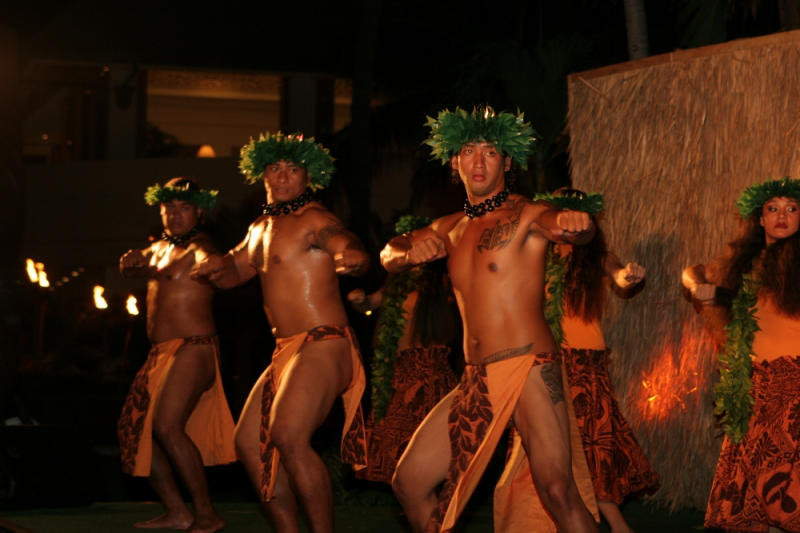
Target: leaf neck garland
point(392, 327)
point(554, 303)
point(733, 398)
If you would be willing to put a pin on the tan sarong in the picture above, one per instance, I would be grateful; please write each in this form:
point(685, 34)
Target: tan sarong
point(210, 426)
point(354, 442)
point(479, 414)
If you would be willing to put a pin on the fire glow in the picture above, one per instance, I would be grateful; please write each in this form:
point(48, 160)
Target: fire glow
point(36, 273)
point(99, 301)
point(130, 305)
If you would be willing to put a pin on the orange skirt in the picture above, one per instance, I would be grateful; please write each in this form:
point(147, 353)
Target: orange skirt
point(210, 426)
point(479, 414)
point(354, 443)
point(422, 377)
point(757, 482)
point(615, 459)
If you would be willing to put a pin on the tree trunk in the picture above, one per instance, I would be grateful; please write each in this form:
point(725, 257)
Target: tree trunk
point(358, 183)
point(11, 211)
point(636, 25)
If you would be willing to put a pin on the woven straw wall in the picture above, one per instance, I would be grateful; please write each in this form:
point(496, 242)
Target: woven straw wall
point(672, 141)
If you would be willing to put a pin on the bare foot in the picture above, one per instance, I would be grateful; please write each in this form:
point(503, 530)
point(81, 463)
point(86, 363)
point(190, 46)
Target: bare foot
point(207, 524)
point(168, 521)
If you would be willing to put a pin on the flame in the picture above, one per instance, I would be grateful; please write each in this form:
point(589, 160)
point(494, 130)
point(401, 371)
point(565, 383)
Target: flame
point(130, 305)
point(99, 301)
point(368, 313)
point(31, 268)
point(43, 278)
point(486, 113)
point(300, 137)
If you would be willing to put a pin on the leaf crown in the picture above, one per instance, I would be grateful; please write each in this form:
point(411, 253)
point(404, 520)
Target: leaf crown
point(592, 203)
point(509, 133)
point(408, 223)
point(753, 198)
point(269, 148)
point(203, 199)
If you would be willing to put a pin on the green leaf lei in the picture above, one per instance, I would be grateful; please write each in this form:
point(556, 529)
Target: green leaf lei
point(408, 223)
point(393, 321)
point(733, 398)
point(268, 149)
point(591, 203)
point(157, 194)
point(554, 303)
point(509, 133)
point(753, 198)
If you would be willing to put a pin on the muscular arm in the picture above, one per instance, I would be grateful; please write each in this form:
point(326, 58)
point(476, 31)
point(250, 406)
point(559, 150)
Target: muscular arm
point(624, 276)
point(134, 263)
point(229, 270)
point(411, 249)
point(345, 248)
point(567, 227)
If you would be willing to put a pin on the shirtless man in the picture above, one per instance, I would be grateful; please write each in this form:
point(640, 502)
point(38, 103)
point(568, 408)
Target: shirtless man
point(496, 261)
point(297, 248)
point(176, 413)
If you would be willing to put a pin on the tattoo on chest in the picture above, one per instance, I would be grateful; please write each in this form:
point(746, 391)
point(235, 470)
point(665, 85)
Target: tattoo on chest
point(498, 236)
point(331, 229)
point(505, 354)
point(551, 374)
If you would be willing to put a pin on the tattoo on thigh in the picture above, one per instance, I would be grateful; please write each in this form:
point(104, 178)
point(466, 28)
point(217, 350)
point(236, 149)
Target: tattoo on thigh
point(331, 229)
point(551, 374)
point(504, 354)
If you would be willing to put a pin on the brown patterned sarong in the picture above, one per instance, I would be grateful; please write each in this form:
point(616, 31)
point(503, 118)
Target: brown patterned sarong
point(422, 377)
point(210, 426)
point(479, 414)
point(354, 442)
point(616, 461)
point(757, 482)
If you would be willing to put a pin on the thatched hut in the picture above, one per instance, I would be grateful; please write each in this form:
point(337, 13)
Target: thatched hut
point(672, 140)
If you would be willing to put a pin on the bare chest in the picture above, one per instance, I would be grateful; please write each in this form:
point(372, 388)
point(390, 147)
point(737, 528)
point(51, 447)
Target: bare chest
point(278, 243)
point(171, 263)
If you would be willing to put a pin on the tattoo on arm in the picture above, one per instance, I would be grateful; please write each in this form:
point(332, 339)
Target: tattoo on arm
point(551, 374)
point(331, 229)
point(500, 235)
point(505, 354)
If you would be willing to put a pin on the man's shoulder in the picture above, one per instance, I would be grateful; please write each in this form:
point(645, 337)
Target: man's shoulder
point(447, 222)
point(204, 242)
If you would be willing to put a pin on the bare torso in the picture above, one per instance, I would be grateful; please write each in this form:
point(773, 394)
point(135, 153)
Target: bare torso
point(298, 278)
point(177, 305)
point(497, 268)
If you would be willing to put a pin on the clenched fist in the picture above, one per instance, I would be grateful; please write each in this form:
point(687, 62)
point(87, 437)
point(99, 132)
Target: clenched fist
point(350, 261)
point(211, 267)
point(705, 293)
point(425, 251)
point(133, 259)
point(633, 273)
point(570, 223)
point(357, 296)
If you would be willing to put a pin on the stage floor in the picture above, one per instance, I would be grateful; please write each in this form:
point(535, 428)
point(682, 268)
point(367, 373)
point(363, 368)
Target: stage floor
point(245, 518)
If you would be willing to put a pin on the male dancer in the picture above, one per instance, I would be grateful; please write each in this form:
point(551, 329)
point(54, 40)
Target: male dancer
point(297, 248)
point(496, 259)
point(176, 412)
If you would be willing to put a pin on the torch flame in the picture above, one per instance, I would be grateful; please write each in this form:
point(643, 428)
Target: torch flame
point(131, 305)
point(31, 268)
point(42, 275)
point(99, 301)
point(300, 137)
point(486, 114)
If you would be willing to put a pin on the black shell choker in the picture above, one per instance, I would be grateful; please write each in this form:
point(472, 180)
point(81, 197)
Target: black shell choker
point(177, 240)
point(478, 210)
point(284, 208)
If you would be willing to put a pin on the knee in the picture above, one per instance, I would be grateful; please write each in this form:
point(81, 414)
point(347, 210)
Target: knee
point(288, 439)
point(402, 484)
point(165, 433)
point(558, 495)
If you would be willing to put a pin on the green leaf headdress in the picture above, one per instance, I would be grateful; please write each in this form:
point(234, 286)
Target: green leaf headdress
point(509, 133)
point(408, 223)
point(268, 149)
point(157, 194)
point(753, 198)
point(591, 203)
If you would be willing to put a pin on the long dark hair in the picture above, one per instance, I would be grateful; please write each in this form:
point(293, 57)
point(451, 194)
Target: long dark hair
point(435, 313)
point(583, 279)
point(778, 270)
